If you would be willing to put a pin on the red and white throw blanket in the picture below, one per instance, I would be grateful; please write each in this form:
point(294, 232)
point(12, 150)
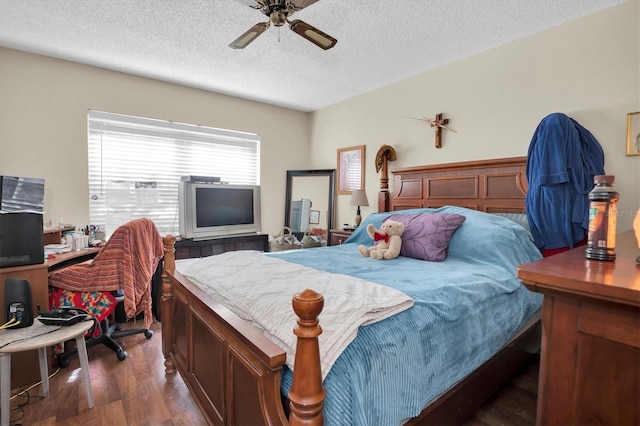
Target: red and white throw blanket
point(127, 261)
point(259, 288)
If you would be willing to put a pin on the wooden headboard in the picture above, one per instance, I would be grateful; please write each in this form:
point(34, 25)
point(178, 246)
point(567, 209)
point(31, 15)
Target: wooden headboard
point(492, 186)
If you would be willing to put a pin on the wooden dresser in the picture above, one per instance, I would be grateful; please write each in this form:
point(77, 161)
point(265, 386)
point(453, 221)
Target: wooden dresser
point(590, 360)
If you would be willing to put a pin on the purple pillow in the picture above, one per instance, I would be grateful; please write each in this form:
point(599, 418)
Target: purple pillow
point(426, 235)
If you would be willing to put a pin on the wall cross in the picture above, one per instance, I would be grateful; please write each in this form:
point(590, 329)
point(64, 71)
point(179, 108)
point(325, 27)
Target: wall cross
point(439, 122)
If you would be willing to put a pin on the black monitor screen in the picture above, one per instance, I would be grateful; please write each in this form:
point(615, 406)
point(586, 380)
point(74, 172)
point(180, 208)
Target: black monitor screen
point(217, 206)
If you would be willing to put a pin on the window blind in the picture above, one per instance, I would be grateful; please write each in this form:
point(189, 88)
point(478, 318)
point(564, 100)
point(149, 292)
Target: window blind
point(135, 165)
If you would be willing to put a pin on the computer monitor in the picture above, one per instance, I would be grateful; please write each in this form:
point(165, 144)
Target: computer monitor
point(21, 194)
point(21, 239)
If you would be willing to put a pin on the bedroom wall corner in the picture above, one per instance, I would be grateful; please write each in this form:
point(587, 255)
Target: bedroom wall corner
point(587, 68)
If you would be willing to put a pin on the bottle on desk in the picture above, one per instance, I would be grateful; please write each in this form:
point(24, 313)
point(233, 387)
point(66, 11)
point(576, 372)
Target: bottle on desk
point(78, 240)
point(69, 239)
point(603, 211)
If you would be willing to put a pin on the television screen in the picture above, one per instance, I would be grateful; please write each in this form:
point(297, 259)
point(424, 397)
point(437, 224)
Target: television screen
point(223, 206)
point(21, 193)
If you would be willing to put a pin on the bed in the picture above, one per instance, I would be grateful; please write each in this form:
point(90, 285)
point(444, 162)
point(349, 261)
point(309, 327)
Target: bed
point(237, 375)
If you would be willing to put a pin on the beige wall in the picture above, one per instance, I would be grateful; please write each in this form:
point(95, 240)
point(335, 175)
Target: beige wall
point(588, 69)
point(43, 127)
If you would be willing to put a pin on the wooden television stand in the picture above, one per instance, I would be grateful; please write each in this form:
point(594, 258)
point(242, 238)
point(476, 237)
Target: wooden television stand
point(188, 248)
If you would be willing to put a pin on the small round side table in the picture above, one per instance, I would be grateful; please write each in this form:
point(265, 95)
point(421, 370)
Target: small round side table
point(39, 336)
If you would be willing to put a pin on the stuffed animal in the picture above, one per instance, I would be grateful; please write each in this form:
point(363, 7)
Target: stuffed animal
point(388, 240)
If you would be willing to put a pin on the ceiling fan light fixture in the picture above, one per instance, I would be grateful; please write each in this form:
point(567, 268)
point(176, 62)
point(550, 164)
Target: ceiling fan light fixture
point(278, 12)
point(279, 17)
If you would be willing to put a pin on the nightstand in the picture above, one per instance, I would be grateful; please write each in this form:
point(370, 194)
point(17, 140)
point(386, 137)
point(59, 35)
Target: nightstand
point(590, 358)
point(338, 236)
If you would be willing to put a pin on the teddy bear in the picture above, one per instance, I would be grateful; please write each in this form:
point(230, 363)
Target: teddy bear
point(388, 240)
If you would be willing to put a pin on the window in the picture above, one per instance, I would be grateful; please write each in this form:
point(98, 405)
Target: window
point(135, 165)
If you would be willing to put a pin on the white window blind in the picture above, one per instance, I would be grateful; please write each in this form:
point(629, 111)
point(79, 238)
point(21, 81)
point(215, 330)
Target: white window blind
point(135, 165)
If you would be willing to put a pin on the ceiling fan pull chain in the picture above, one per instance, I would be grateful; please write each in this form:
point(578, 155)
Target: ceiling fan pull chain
point(279, 34)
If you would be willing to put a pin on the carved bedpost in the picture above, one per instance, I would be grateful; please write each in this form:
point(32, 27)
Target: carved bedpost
point(385, 154)
point(306, 393)
point(167, 302)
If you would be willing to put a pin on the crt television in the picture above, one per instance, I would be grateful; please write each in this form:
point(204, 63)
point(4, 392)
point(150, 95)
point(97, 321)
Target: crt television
point(212, 210)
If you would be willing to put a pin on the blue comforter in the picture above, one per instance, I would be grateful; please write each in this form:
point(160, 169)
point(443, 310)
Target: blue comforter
point(466, 308)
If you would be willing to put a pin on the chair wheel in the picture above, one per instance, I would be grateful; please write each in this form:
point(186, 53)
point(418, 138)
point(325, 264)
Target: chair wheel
point(122, 355)
point(63, 361)
point(148, 334)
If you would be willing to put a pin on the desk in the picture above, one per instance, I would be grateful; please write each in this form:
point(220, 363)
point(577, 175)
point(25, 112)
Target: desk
point(69, 258)
point(54, 235)
point(39, 337)
point(590, 357)
point(26, 373)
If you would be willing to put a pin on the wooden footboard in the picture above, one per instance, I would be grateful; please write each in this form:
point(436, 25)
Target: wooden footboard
point(232, 370)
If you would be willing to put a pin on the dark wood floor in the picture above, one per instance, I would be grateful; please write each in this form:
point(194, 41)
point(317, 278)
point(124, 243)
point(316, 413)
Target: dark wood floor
point(514, 404)
point(137, 392)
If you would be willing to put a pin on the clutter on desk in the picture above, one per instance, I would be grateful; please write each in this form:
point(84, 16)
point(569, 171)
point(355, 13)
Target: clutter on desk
point(56, 249)
point(97, 235)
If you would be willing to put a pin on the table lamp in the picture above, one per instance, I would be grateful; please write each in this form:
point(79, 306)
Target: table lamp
point(358, 198)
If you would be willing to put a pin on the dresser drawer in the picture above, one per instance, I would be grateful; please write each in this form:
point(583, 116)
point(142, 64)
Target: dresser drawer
point(339, 236)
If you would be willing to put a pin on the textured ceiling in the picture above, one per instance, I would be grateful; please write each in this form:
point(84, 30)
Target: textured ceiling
point(186, 41)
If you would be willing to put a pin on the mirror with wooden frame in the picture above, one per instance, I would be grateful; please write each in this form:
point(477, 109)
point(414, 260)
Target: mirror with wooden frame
point(309, 202)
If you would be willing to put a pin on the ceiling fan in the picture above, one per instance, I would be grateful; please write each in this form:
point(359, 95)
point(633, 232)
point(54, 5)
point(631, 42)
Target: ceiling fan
point(279, 12)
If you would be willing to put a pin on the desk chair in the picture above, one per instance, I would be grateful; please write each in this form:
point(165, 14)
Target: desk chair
point(124, 267)
point(106, 335)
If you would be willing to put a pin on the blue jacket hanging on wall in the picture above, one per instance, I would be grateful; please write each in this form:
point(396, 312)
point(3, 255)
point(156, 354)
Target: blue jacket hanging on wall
point(562, 160)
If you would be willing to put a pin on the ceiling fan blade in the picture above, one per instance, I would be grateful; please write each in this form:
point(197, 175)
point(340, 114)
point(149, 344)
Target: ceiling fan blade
point(313, 34)
point(246, 38)
point(300, 4)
